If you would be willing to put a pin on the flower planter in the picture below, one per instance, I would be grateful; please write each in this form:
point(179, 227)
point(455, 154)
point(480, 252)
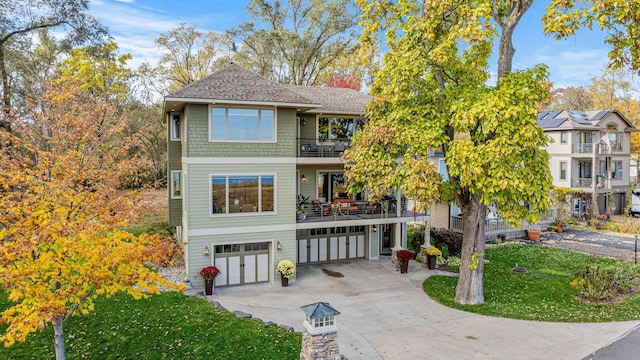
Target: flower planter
point(431, 262)
point(284, 281)
point(404, 267)
point(208, 287)
point(533, 235)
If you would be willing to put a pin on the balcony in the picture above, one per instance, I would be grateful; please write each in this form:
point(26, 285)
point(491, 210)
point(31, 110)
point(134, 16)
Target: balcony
point(587, 183)
point(583, 148)
point(322, 148)
point(360, 210)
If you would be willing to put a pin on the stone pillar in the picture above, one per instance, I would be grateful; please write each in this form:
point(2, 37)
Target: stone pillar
point(320, 333)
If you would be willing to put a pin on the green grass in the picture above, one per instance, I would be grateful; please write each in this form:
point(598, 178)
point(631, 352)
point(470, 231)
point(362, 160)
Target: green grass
point(167, 326)
point(543, 292)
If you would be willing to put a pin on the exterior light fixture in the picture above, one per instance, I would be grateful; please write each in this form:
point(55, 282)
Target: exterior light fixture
point(279, 245)
point(205, 250)
point(303, 178)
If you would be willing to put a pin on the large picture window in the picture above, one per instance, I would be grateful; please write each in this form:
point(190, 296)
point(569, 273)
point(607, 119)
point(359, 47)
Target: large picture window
point(338, 129)
point(239, 124)
point(242, 194)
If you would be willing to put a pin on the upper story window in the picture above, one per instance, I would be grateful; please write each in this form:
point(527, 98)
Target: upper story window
point(442, 169)
point(564, 137)
point(242, 194)
point(563, 170)
point(175, 126)
point(338, 129)
point(240, 124)
point(616, 169)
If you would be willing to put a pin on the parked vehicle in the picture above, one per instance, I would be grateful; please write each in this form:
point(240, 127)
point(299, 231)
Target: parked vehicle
point(635, 203)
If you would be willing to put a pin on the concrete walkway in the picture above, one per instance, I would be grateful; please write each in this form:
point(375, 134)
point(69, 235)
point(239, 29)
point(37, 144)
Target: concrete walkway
point(386, 315)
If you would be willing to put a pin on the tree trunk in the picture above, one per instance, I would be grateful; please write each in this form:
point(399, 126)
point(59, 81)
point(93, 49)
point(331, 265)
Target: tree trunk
point(58, 333)
point(470, 289)
point(6, 91)
point(514, 12)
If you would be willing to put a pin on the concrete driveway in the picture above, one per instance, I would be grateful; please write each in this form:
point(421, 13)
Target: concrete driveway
point(386, 315)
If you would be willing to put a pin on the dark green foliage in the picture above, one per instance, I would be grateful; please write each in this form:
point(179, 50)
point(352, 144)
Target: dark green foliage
point(415, 237)
point(598, 284)
point(442, 238)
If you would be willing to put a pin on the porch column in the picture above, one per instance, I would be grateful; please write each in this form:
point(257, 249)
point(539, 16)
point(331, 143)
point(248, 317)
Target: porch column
point(397, 239)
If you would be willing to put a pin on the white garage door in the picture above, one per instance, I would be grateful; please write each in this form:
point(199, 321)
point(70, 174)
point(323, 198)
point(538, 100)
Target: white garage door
point(320, 245)
point(242, 264)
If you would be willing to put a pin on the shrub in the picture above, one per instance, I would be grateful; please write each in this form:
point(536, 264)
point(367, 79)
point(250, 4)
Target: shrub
point(452, 240)
point(611, 226)
point(415, 237)
point(596, 284)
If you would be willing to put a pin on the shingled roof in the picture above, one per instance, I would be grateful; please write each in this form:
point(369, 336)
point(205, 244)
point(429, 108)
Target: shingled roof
point(333, 100)
point(237, 84)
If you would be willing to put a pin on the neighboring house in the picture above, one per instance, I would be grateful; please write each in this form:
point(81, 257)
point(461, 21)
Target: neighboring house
point(241, 148)
point(590, 153)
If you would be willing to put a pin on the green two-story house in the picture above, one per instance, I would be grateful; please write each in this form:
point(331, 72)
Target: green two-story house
point(255, 177)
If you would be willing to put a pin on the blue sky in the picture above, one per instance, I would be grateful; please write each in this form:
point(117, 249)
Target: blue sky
point(135, 24)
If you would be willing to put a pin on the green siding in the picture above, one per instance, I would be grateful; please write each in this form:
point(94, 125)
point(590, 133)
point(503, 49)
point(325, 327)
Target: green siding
point(198, 183)
point(308, 131)
point(174, 162)
point(199, 145)
point(197, 260)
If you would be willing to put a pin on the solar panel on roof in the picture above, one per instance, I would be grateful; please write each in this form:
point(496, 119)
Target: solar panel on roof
point(557, 122)
point(579, 117)
point(599, 115)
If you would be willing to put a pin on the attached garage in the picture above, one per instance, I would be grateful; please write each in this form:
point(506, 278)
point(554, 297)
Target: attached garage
point(242, 264)
point(328, 244)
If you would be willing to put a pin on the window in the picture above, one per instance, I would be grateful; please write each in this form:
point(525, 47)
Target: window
point(176, 190)
point(615, 139)
point(242, 194)
point(338, 129)
point(237, 124)
point(563, 170)
point(584, 169)
point(175, 126)
point(442, 169)
point(564, 136)
point(616, 169)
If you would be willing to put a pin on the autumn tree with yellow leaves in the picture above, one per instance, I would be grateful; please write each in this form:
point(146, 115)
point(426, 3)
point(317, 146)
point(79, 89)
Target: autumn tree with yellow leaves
point(62, 242)
point(432, 93)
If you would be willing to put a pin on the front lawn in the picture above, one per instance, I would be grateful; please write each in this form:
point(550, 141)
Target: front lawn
point(167, 326)
point(542, 293)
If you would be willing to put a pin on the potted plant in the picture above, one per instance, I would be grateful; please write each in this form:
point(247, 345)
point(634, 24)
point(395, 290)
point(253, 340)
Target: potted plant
point(432, 255)
point(404, 256)
point(209, 274)
point(286, 269)
point(301, 207)
point(533, 233)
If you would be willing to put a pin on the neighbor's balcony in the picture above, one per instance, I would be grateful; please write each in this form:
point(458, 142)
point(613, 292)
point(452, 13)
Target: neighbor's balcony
point(583, 148)
point(587, 183)
point(323, 148)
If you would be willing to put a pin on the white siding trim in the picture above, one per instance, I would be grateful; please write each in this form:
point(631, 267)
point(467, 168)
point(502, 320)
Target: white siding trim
point(242, 230)
point(237, 160)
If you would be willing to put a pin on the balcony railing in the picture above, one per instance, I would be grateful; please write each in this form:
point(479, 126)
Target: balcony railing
point(496, 226)
point(583, 148)
point(358, 210)
point(582, 183)
point(601, 183)
point(313, 147)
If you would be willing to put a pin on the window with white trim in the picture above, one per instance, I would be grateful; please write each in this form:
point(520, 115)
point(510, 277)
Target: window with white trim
point(242, 124)
point(616, 169)
point(176, 183)
point(175, 126)
point(253, 194)
point(563, 170)
point(564, 137)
